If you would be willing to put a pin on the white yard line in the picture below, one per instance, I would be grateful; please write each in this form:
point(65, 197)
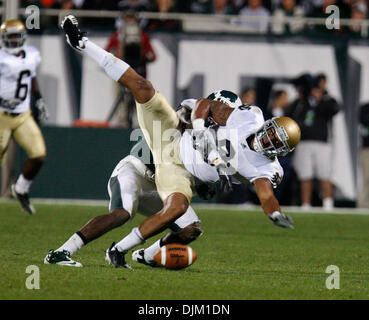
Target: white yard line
point(207, 206)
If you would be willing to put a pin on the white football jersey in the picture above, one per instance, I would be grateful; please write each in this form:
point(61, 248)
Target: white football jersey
point(246, 164)
point(16, 75)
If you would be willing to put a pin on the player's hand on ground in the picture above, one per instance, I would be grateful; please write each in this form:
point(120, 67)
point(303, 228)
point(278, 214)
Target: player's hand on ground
point(10, 103)
point(42, 109)
point(282, 220)
point(75, 37)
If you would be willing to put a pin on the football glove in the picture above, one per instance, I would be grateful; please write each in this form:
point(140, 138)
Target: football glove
point(10, 103)
point(225, 180)
point(75, 37)
point(205, 191)
point(204, 141)
point(190, 103)
point(281, 220)
point(42, 109)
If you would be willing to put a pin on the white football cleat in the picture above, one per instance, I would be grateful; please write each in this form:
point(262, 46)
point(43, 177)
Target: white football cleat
point(139, 256)
point(61, 258)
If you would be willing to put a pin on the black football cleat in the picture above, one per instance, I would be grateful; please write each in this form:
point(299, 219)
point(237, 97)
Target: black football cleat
point(75, 37)
point(116, 258)
point(23, 200)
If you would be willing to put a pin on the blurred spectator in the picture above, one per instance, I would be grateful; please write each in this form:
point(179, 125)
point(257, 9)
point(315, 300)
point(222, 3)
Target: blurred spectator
point(248, 96)
point(358, 14)
point(255, 9)
point(213, 7)
point(239, 4)
point(321, 78)
point(132, 44)
point(313, 111)
point(221, 7)
point(136, 5)
point(164, 6)
point(64, 4)
point(47, 3)
point(278, 106)
point(288, 8)
point(364, 156)
point(199, 6)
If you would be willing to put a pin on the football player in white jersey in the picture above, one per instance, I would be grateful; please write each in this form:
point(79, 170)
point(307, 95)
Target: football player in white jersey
point(131, 189)
point(173, 180)
point(18, 65)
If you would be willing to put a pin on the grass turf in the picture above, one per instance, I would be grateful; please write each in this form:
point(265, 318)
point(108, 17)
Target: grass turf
point(241, 255)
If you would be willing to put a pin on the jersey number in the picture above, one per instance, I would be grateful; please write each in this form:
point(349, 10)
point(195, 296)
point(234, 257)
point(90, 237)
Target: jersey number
point(22, 88)
point(244, 107)
point(226, 149)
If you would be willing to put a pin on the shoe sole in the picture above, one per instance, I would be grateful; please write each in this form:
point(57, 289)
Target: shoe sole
point(75, 265)
point(32, 208)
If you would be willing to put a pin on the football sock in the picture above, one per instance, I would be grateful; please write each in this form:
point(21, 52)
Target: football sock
point(306, 206)
point(133, 239)
point(22, 185)
point(113, 66)
point(150, 252)
point(328, 203)
point(73, 244)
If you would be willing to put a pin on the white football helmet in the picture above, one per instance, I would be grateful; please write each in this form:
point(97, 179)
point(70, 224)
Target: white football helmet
point(227, 97)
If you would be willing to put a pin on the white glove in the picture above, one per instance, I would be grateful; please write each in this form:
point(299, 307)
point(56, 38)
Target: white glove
point(190, 103)
point(150, 175)
point(42, 108)
point(204, 141)
point(10, 103)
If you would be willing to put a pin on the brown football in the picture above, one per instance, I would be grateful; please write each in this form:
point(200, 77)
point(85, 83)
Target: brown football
point(175, 256)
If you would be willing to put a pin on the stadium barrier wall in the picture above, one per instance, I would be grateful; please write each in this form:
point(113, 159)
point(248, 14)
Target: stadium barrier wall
point(79, 162)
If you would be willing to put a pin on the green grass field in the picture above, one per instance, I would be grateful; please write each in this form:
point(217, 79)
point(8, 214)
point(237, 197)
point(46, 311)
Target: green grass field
point(241, 255)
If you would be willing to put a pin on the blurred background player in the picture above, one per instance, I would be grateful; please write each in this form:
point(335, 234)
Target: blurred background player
point(18, 64)
point(248, 96)
point(314, 110)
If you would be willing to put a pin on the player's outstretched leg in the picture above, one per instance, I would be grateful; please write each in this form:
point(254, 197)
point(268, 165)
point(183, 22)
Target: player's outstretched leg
point(116, 69)
point(94, 229)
